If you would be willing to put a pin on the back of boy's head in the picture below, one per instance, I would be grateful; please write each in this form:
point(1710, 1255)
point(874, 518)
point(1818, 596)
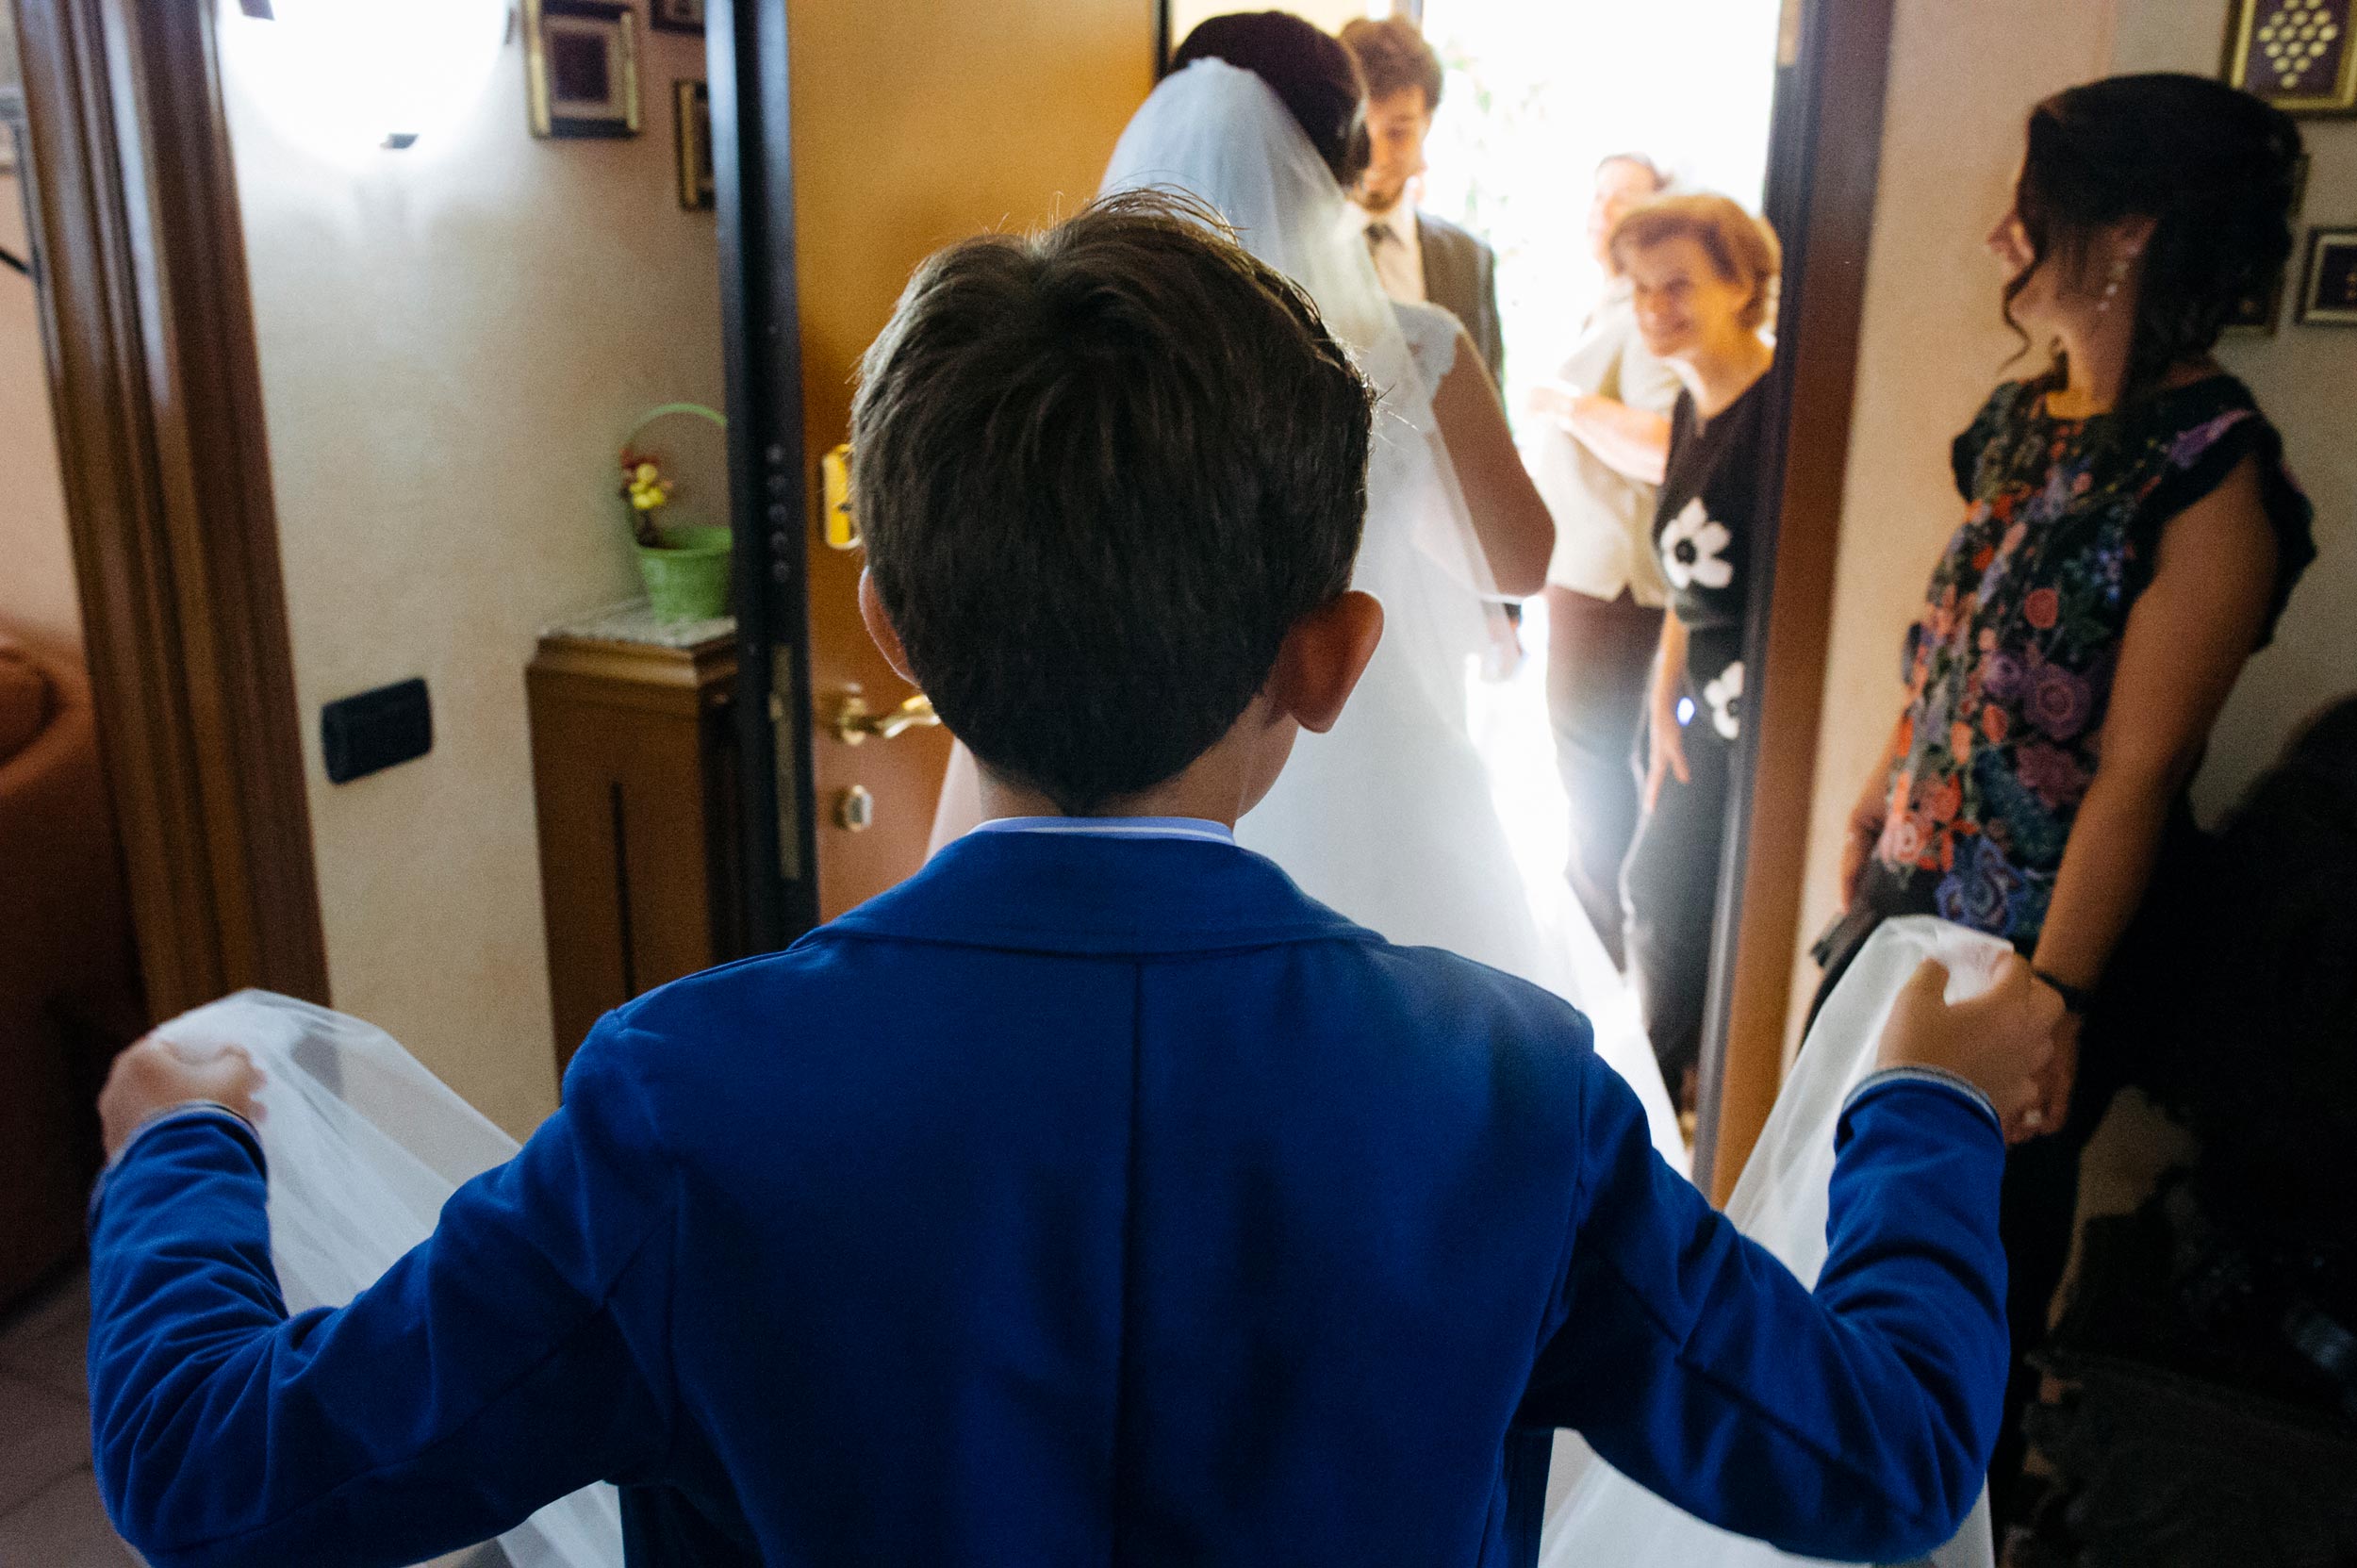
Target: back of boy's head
point(1101, 471)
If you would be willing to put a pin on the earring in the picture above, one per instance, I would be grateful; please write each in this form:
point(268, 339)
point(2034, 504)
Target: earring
point(2120, 264)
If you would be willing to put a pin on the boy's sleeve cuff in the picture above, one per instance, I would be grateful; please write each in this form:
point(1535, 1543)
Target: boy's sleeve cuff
point(154, 1119)
point(1939, 1079)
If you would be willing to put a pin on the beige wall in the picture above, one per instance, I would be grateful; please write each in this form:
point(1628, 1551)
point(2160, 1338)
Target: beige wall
point(454, 340)
point(1962, 80)
point(2306, 377)
point(38, 600)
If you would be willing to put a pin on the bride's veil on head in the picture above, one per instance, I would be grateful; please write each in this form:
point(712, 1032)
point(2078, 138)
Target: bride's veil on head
point(1221, 134)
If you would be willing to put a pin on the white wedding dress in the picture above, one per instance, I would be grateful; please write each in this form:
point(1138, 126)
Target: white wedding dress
point(1389, 818)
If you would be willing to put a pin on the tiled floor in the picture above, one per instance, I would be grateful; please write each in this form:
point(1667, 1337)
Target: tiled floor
point(50, 1516)
point(49, 1511)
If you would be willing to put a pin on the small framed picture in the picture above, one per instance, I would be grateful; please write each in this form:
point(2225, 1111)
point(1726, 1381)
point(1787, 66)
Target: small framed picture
point(692, 101)
point(2328, 288)
point(2297, 55)
point(581, 64)
point(2256, 314)
point(677, 16)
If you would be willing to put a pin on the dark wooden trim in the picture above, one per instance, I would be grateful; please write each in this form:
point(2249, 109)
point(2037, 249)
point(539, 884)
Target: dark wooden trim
point(768, 468)
point(157, 385)
point(1824, 153)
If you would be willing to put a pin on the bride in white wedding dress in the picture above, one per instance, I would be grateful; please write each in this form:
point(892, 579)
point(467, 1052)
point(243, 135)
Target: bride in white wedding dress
point(1390, 816)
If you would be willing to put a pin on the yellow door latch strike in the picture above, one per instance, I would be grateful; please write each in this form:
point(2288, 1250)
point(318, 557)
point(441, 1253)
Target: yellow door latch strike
point(836, 525)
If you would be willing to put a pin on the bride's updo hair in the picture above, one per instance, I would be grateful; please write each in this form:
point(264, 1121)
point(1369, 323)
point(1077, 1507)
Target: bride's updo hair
point(1310, 72)
point(2214, 168)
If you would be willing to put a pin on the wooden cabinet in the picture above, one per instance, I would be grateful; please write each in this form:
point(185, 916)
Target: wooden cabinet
point(634, 768)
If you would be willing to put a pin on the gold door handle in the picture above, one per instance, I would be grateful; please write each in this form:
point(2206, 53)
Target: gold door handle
point(854, 721)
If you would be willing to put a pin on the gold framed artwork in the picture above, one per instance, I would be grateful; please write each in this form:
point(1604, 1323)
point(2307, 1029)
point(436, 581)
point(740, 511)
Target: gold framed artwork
point(691, 104)
point(581, 67)
point(2297, 55)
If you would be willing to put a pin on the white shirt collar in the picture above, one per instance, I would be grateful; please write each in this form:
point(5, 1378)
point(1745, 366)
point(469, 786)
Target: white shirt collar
point(1117, 827)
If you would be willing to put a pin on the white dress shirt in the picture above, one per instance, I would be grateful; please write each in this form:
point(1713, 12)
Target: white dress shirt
point(1397, 250)
point(1603, 519)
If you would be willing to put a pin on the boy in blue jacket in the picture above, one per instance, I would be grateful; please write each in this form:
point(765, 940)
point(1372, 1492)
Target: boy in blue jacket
point(1094, 1196)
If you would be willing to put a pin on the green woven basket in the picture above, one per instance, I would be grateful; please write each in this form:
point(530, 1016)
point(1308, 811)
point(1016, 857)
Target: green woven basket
point(687, 578)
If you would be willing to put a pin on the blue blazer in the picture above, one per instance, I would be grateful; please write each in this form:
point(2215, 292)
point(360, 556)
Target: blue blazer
point(1079, 1201)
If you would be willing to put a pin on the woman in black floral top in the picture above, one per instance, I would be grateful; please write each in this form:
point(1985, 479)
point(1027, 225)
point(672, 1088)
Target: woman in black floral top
point(2130, 537)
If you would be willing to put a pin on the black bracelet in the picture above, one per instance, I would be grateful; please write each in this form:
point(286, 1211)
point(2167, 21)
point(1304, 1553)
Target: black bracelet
point(2075, 998)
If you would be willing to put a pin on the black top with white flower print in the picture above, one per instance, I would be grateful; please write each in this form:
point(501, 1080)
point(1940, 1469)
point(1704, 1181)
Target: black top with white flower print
point(1702, 528)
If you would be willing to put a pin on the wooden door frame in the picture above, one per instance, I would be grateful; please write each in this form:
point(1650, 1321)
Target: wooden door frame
point(156, 383)
point(1823, 168)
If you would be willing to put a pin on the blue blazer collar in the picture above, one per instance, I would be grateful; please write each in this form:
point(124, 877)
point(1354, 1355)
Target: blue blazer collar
point(1060, 894)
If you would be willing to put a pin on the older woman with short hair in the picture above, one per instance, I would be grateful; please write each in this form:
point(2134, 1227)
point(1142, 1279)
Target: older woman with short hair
point(1701, 271)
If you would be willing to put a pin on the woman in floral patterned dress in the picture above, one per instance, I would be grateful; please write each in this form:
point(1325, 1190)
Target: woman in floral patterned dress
point(1701, 270)
point(2129, 537)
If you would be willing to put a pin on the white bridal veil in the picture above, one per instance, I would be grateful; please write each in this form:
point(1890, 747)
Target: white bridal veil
point(1596, 1514)
point(1221, 135)
point(364, 1148)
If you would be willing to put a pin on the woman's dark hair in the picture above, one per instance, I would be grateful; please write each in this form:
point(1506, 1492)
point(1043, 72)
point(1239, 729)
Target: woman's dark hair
point(1102, 472)
point(2214, 168)
point(1316, 78)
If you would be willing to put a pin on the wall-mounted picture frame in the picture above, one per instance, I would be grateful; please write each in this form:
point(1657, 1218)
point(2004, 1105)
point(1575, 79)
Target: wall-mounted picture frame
point(2327, 286)
point(2299, 54)
point(677, 16)
point(691, 104)
point(581, 66)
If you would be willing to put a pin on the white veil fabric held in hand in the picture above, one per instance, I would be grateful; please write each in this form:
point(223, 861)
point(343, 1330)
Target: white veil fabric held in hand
point(1597, 1515)
point(364, 1146)
point(1389, 818)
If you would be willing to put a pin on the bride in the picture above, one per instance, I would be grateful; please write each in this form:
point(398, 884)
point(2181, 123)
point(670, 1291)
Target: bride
point(1389, 818)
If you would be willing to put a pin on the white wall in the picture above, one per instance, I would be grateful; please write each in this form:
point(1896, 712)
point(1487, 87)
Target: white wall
point(38, 600)
point(454, 340)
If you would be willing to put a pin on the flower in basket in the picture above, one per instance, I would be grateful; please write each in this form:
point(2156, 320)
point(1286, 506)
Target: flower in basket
point(648, 492)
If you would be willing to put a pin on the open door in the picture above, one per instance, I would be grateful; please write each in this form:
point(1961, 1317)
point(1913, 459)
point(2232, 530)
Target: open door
point(851, 139)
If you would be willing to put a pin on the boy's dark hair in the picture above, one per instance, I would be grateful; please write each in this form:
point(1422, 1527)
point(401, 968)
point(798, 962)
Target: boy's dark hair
point(1393, 55)
point(1101, 473)
point(1311, 74)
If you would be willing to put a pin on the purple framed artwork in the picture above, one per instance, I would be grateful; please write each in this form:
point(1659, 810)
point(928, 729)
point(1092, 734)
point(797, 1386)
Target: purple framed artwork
point(580, 65)
point(2328, 288)
point(2298, 55)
